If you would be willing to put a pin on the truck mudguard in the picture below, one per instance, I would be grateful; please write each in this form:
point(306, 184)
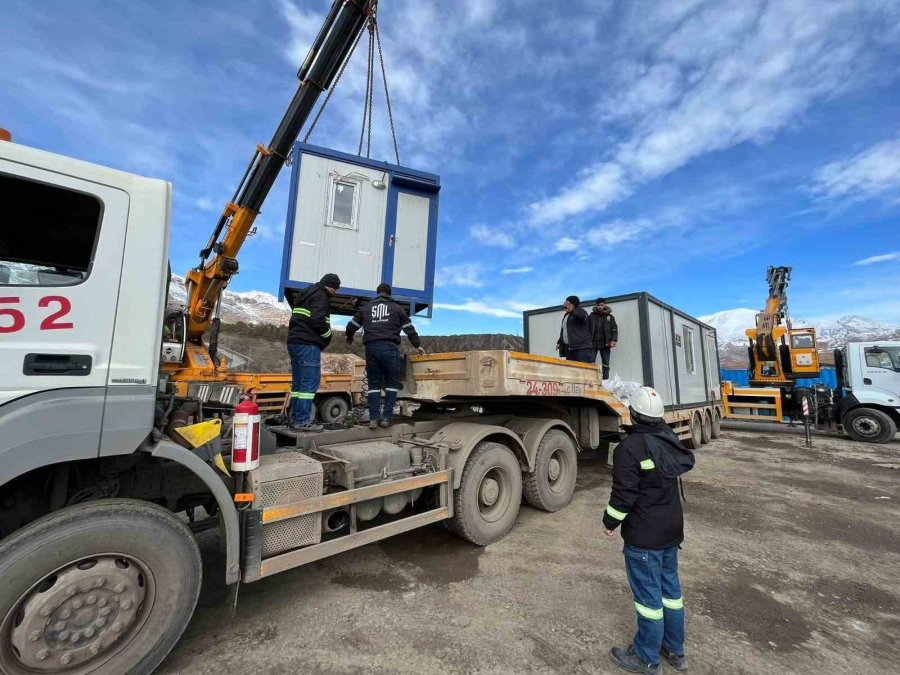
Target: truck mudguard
point(532, 430)
point(166, 449)
point(464, 436)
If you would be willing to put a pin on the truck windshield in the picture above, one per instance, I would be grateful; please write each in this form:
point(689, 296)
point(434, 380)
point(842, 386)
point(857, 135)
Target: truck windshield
point(883, 357)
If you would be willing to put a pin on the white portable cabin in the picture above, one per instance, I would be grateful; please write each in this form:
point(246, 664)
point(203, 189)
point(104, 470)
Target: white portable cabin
point(367, 221)
point(659, 346)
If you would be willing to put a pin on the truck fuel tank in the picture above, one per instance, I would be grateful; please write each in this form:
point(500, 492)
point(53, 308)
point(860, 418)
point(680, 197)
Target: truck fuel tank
point(375, 462)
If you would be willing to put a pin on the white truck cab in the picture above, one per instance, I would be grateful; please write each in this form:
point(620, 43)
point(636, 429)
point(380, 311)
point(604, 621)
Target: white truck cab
point(83, 275)
point(869, 409)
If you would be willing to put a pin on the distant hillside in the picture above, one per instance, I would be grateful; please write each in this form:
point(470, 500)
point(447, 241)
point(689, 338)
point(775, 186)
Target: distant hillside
point(264, 344)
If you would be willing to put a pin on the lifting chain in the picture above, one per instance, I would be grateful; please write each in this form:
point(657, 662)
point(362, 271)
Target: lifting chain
point(365, 132)
point(387, 96)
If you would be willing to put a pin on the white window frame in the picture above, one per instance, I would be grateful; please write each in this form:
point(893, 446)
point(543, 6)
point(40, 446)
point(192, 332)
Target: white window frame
point(690, 363)
point(337, 179)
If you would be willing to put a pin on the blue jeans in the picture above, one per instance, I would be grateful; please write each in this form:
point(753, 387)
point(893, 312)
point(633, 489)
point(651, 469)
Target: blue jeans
point(382, 371)
point(306, 373)
point(582, 355)
point(653, 576)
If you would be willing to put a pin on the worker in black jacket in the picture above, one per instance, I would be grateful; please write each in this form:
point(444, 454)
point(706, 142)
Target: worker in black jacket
point(645, 502)
point(309, 332)
point(604, 333)
point(381, 320)
point(575, 342)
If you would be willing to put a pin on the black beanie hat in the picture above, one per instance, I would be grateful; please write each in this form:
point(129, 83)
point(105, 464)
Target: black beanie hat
point(331, 280)
point(574, 300)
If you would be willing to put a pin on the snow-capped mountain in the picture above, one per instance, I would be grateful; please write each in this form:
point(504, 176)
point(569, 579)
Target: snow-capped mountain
point(248, 306)
point(730, 326)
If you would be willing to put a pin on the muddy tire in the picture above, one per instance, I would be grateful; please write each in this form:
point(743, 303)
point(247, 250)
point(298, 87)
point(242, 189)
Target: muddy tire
point(333, 410)
point(695, 440)
point(104, 588)
point(715, 429)
point(551, 486)
point(869, 425)
point(490, 491)
point(705, 428)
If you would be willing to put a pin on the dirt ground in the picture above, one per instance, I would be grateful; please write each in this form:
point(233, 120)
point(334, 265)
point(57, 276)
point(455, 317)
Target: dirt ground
point(791, 565)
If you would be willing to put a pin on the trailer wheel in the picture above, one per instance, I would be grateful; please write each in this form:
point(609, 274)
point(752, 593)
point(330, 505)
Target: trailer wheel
point(869, 425)
point(696, 438)
point(705, 428)
point(716, 426)
point(487, 501)
point(551, 486)
point(104, 587)
point(333, 409)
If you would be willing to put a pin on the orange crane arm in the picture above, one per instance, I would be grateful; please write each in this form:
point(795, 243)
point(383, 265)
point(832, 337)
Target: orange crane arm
point(336, 39)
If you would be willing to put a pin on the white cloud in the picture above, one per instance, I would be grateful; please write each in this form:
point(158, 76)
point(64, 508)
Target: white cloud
point(871, 173)
point(619, 231)
point(601, 186)
point(479, 307)
point(885, 257)
point(205, 204)
point(491, 236)
point(517, 270)
point(722, 74)
point(459, 275)
point(566, 244)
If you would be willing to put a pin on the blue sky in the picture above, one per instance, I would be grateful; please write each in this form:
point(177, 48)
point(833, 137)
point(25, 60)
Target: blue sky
point(588, 147)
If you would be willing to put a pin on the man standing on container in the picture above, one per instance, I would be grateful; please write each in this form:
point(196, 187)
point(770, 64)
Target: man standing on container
point(604, 333)
point(309, 332)
point(645, 501)
point(381, 320)
point(574, 342)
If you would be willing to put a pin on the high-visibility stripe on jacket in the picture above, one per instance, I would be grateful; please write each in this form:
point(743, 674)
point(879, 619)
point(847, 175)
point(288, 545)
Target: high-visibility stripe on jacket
point(645, 504)
point(310, 321)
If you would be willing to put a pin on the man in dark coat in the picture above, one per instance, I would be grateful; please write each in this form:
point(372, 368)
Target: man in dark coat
point(604, 333)
point(645, 501)
point(309, 332)
point(574, 342)
point(381, 320)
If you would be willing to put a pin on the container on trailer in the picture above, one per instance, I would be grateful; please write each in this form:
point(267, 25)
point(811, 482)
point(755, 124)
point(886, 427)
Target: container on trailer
point(659, 346)
point(367, 221)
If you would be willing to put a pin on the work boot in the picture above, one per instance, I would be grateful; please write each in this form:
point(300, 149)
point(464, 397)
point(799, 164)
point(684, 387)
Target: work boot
point(373, 424)
point(385, 424)
point(679, 663)
point(626, 659)
point(311, 428)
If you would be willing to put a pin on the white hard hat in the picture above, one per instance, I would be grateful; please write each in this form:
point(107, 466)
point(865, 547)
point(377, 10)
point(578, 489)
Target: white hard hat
point(647, 402)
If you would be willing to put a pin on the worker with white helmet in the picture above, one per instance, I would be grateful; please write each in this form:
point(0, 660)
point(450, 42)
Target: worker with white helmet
point(645, 501)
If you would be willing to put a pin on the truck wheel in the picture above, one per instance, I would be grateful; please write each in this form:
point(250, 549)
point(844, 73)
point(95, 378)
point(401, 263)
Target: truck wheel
point(333, 410)
point(716, 426)
point(869, 425)
point(696, 438)
point(552, 484)
point(705, 428)
point(487, 501)
point(104, 587)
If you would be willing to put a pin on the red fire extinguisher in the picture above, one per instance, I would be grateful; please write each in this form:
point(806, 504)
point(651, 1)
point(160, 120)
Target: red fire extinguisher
point(245, 436)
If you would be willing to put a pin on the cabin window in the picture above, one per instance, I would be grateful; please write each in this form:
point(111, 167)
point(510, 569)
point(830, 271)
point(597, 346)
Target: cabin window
point(802, 342)
point(344, 203)
point(688, 349)
point(50, 235)
point(883, 357)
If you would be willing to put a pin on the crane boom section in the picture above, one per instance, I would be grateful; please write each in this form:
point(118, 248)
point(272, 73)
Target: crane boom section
point(343, 25)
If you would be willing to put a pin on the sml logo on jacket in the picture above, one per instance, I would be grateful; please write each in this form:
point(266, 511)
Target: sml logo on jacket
point(380, 313)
